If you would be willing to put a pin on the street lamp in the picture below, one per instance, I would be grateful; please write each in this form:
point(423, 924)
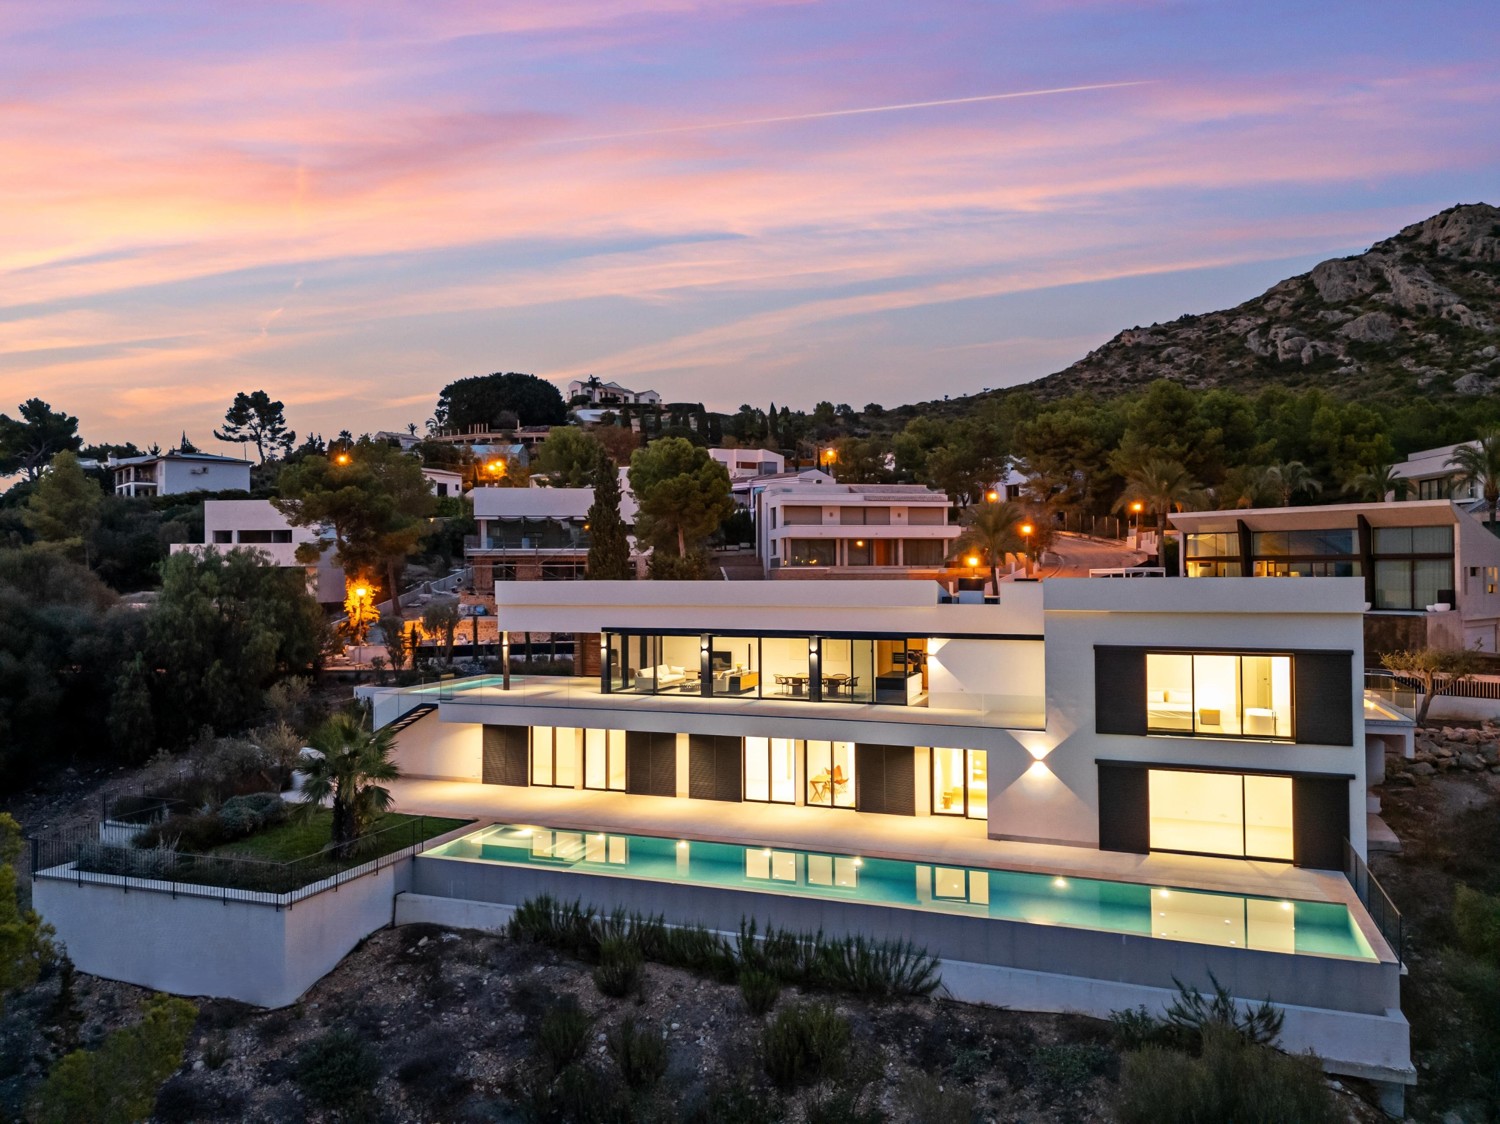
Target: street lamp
point(342, 458)
point(1026, 530)
point(1136, 509)
point(991, 496)
point(973, 561)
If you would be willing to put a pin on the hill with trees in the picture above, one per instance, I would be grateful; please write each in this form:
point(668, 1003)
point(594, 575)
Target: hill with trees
point(1416, 315)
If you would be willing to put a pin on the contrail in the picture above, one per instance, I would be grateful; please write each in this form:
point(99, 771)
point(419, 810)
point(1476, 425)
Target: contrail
point(854, 112)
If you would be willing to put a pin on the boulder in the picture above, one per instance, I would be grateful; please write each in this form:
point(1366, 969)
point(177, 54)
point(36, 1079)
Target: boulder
point(1340, 281)
point(1421, 768)
point(1372, 327)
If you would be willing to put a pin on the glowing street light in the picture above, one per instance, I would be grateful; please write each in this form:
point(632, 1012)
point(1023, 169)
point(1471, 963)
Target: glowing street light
point(991, 496)
point(829, 455)
point(342, 458)
point(1026, 529)
point(973, 561)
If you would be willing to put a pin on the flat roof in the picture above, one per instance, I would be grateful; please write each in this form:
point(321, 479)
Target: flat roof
point(1409, 513)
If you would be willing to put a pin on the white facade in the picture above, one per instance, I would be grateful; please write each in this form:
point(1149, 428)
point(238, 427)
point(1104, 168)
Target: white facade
point(743, 464)
point(257, 525)
point(175, 473)
point(444, 482)
point(1429, 476)
point(1430, 568)
point(532, 534)
point(810, 525)
point(611, 394)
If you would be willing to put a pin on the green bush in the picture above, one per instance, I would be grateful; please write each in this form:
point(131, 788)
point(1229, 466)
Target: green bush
point(338, 1071)
point(640, 1053)
point(119, 1081)
point(1066, 1069)
point(804, 1044)
point(243, 815)
point(843, 1105)
point(926, 1100)
point(1233, 1080)
point(739, 1103)
point(760, 990)
point(621, 969)
point(576, 1095)
point(562, 1036)
point(1183, 1024)
point(1476, 916)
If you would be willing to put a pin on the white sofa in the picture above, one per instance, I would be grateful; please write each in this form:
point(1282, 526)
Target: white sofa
point(662, 675)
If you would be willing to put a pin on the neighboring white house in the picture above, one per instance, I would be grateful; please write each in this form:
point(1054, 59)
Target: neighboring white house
point(1430, 569)
point(533, 534)
point(1430, 477)
point(445, 481)
point(809, 525)
point(743, 464)
point(256, 524)
point(610, 394)
point(171, 473)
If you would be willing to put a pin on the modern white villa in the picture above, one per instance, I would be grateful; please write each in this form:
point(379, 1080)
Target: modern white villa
point(257, 525)
point(1074, 796)
point(809, 525)
point(1429, 476)
point(1430, 569)
point(533, 534)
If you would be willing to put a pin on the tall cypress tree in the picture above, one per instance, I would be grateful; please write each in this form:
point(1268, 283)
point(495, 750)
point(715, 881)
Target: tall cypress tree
point(609, 549)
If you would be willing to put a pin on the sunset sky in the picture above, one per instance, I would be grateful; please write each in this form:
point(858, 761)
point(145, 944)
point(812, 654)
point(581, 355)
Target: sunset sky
point(348, 203)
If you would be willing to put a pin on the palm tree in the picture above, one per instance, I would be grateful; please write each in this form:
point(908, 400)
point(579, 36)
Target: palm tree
point(1376, 482)
point(1479, 463)
point(1244, 486)
point(1162, 486)
point(1290, 477)
point(992, 530)
point(351, 763)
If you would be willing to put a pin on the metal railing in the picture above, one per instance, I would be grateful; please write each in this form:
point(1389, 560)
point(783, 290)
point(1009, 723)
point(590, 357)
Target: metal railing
point(1397, 693)
point(448, 584)
point(79, 856)
point(1376, 901)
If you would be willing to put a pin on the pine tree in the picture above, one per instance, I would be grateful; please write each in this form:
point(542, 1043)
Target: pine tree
point(609, 549)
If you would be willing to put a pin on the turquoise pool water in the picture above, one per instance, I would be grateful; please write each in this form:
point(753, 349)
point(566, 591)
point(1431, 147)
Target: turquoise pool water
point(1203, 917)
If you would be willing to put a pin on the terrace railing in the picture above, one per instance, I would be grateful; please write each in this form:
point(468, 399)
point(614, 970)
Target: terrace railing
point(1376, 901)
point(80, 856)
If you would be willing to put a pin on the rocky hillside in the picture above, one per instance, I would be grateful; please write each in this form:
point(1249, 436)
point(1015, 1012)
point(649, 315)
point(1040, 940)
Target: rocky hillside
point(1415, 312)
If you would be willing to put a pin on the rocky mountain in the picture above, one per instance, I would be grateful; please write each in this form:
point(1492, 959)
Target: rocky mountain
point(1416, 312)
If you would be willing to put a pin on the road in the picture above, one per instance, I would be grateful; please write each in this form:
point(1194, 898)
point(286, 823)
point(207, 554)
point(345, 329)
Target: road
point(1077, 555)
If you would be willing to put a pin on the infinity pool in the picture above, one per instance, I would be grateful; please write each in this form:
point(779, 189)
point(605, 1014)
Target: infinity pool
point(1239, 920)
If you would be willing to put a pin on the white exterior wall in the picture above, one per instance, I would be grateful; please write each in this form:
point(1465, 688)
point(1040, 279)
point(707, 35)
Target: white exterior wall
point(1052, 793)
point(222, 948)
point(175, 476)
point(430, 748)
point(325, 578)
point(1475, 546)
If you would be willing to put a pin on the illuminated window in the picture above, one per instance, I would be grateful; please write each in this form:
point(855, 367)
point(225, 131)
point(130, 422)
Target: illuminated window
point(1219, 695)
point(604, 759)
point(771, 770)
point(960, 782)
point(1240, 815)
point(830, 774)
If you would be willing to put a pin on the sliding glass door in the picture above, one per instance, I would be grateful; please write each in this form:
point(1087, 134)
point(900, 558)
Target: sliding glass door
point(771, 770)
point(1243, 816)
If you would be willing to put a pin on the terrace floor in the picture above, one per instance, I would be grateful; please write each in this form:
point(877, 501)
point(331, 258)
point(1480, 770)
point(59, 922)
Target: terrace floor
point(939, 839)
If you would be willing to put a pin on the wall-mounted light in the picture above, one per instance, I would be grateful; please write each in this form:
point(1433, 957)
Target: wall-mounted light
point(703, 644)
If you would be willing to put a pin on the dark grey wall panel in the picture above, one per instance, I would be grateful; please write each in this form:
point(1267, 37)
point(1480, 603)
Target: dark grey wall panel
point(1324, 686)
point(650, 763)
point(1120, 691)
point(715, 767)
point(505, 753)
point(885, 779)
point(1320, 821)
point(1124, 808)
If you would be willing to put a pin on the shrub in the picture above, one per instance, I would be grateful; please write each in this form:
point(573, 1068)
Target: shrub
point(243, 815)
point(1135, 1027)
point(843, 1105)
point(1234, 1079)
point(641, 1054)
point(184, 1100)
point(926, 1100)
point(194, 833)
point(431, 1077)
point(577, 1095)
point(1476, 916)
point(738, 1102)
point(1191, 1014)
point(120, 1080)
point(562, 1036)
point(804, 1044)
point(1066, 1069)
point(760, 990)
point(338, 1071)
point(621, 970)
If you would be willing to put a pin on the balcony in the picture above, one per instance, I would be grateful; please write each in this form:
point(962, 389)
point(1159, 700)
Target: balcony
point(532, 538)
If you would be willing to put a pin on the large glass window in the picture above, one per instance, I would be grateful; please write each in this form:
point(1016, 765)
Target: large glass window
point(604, 759)
point(1221, 814)
point(1411, 583)
point(1218, 544)
point(554, 756)
point(1219, 695)
point(784, 666)
point(801, 516)
point(830, 774)
point(771, 770)
point(923, 552)
point(735, 661)
point(960, 782)
point(1412, 540)
point(811, 552)
point(1282, 543)
point(848, 670)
